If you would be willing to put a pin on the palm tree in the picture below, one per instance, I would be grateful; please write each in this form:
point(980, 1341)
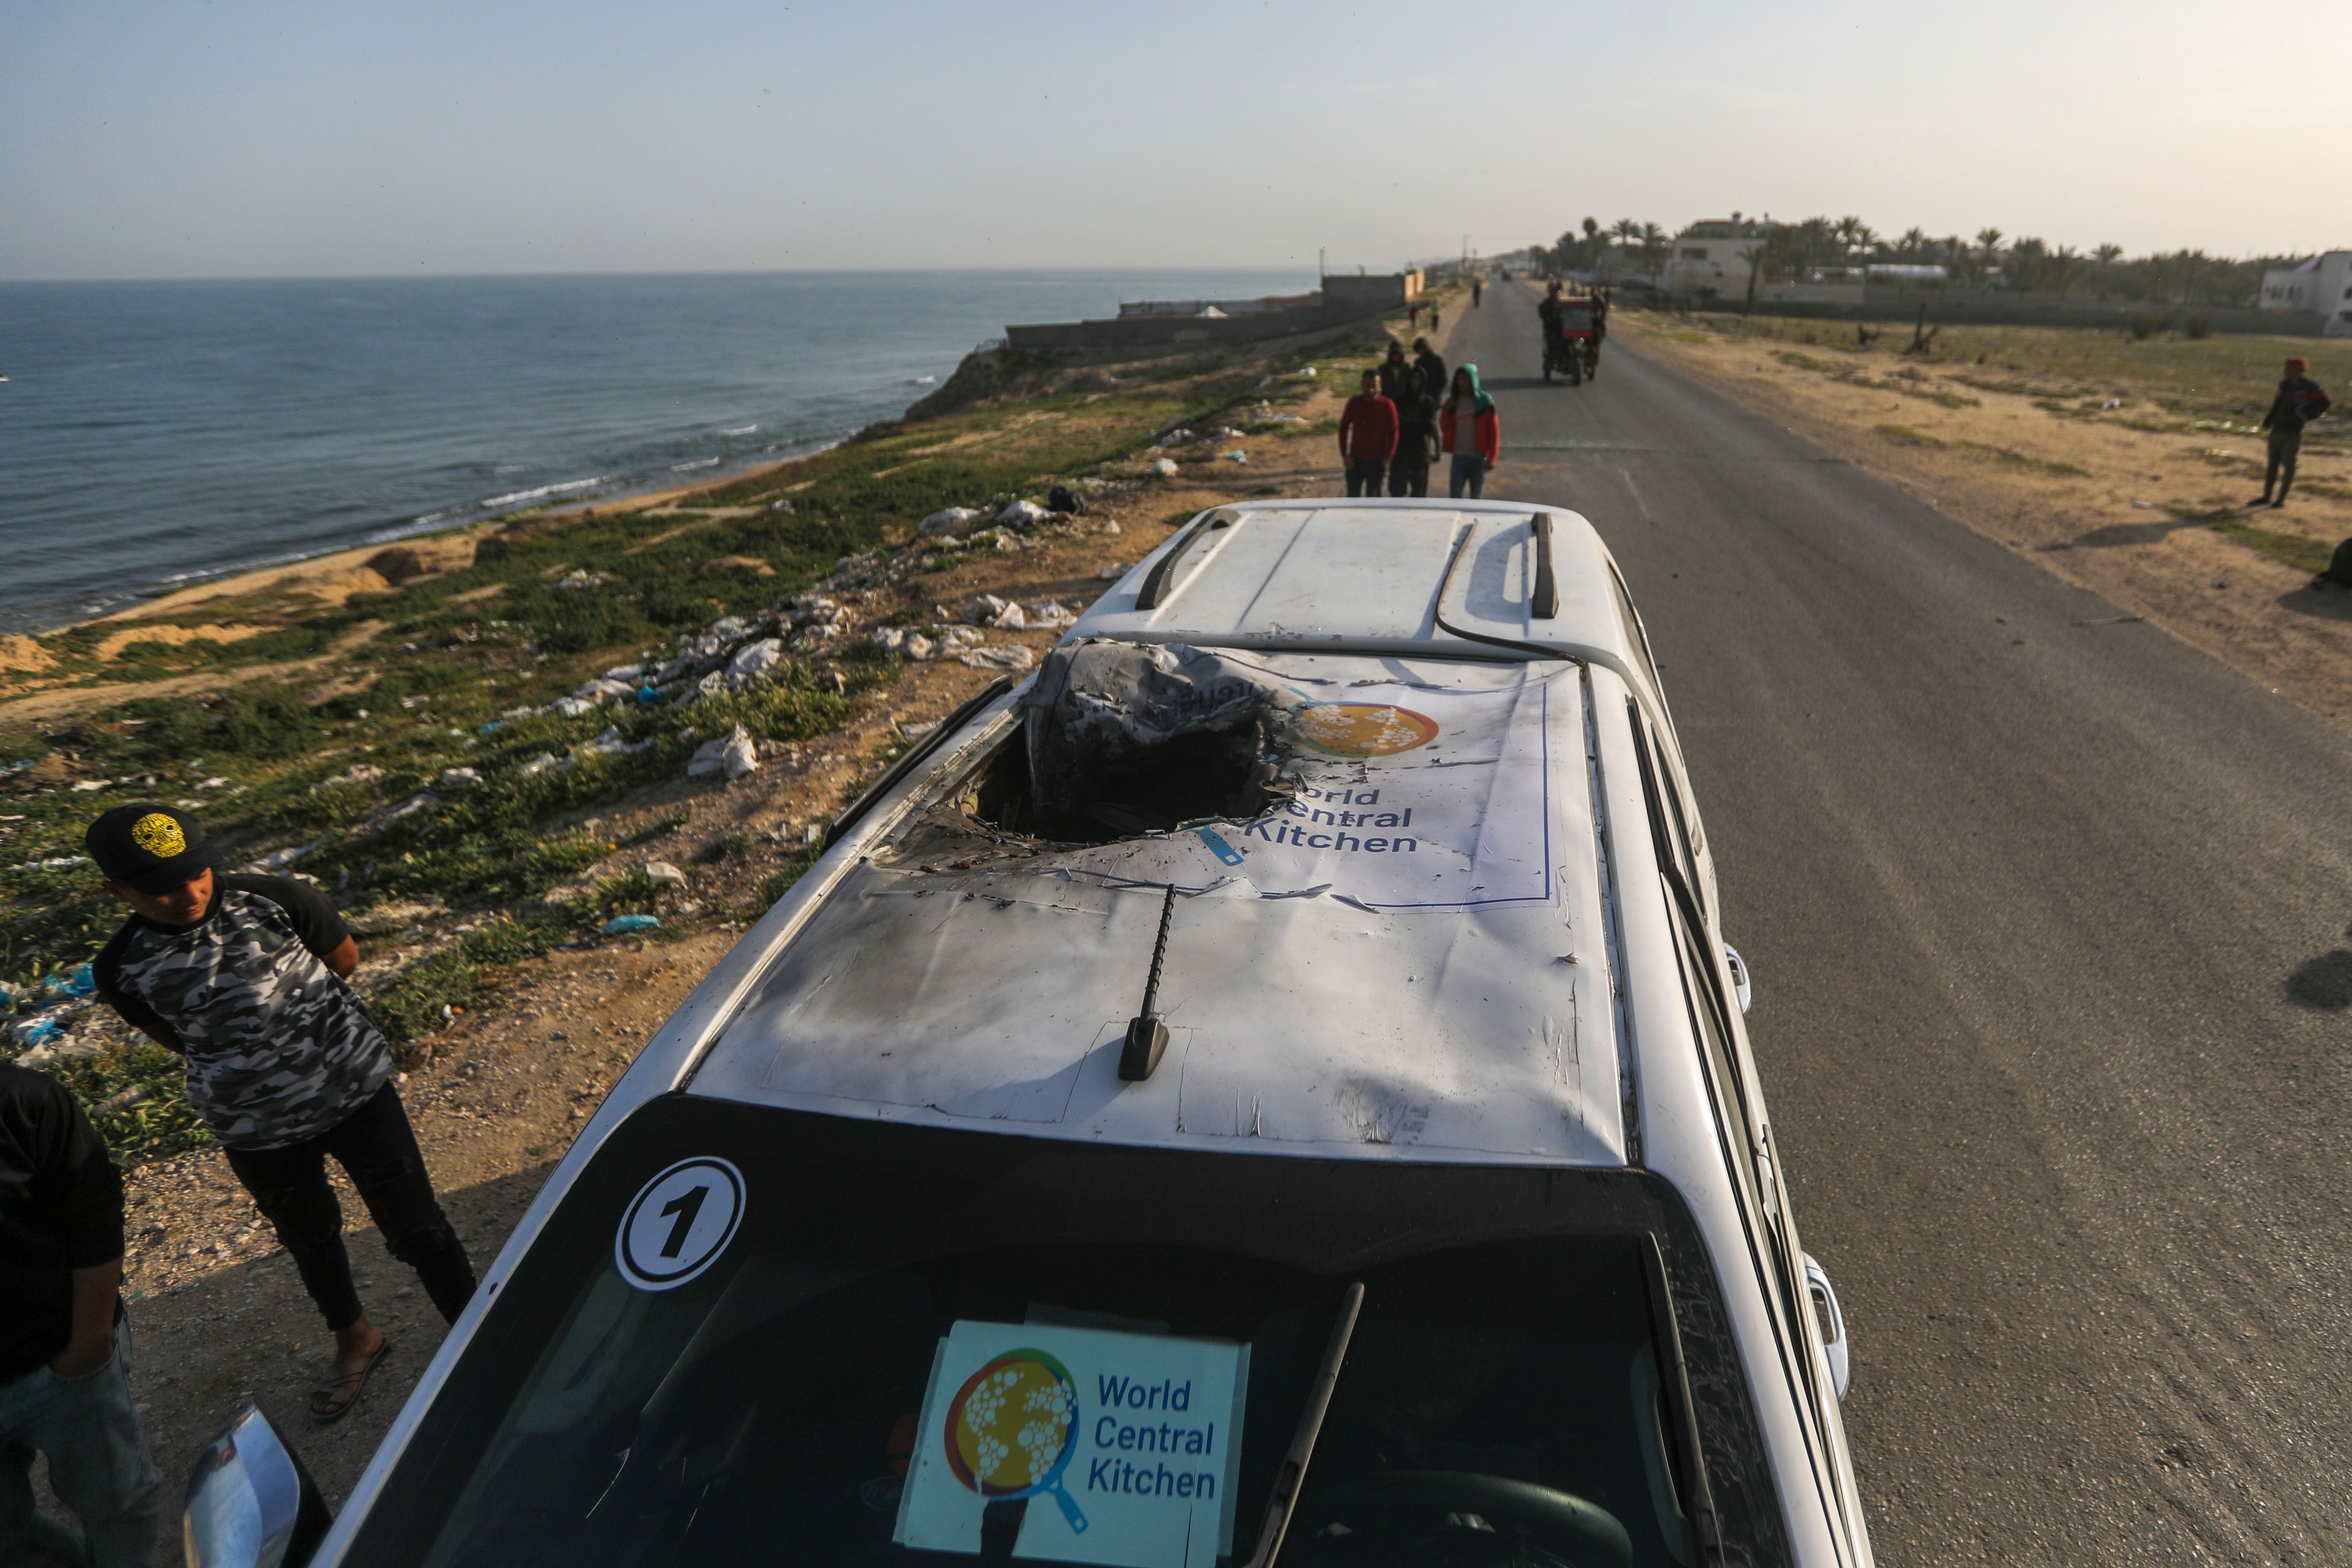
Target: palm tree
point(1989, 241)
point(2107, 255)
point(1655, 242)
point(1625, 231)
point(1912, 246)
point(1592, 229)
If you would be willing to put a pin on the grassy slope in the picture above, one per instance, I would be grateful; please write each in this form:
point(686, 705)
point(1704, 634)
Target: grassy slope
point(429, 670)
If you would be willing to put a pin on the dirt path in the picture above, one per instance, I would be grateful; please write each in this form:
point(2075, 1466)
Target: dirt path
point(2095, 488)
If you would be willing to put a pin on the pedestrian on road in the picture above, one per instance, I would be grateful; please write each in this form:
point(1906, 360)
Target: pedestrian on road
point(1413, 317)
point(244, 976)
point(1416, 438)
point(2299, 402)
point(1472, 430)
point(1392, 368)
point(65, 1340)
point(1433, 369)
point(1477, 290)
point(1367, 436)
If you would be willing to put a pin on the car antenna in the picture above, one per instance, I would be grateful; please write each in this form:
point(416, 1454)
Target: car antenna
point(1147, 1036)
point(1293, 1474)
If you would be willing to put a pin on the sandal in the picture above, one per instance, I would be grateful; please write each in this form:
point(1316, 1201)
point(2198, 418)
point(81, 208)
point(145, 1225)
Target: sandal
point(332, 1399)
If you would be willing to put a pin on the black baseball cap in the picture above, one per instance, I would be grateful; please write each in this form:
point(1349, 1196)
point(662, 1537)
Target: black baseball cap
point(148, 847)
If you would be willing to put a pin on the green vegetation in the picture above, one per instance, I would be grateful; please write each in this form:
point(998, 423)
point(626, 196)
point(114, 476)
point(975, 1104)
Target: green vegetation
point(421, 761)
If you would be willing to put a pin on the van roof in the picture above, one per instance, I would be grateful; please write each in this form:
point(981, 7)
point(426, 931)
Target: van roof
point(1405, 959)
point(1366, 576)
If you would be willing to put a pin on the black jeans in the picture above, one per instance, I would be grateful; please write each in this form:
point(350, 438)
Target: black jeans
point(377, 1149)
point(1364, 475)
point(1407, 479)
point(2284, 445)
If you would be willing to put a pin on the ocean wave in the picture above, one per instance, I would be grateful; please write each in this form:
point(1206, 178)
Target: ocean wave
point(697, 463)
point(924, 381)
point(542, 491)
point(738, 429)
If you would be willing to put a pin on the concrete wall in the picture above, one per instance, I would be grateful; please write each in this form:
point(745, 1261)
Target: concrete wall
point(1973, 307)
point(1344, 299)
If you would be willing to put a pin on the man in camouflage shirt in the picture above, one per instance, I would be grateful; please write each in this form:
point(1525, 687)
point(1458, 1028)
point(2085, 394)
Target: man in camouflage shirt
point(244, 976)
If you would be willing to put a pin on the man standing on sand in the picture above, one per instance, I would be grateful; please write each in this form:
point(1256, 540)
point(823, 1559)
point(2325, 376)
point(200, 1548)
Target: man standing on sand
point(65, 1341)
point(244, 976)
point(1367, 436)
point(2299, 402)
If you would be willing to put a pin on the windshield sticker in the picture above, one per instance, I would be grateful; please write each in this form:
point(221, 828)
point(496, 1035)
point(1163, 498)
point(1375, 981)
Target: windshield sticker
point(680, 1223)
point(1113, 1449)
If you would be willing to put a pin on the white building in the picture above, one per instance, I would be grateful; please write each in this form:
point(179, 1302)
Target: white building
point(1711, 258)
point(2321, 285)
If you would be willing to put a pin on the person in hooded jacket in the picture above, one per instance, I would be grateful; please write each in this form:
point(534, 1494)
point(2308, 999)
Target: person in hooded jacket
point(2300, 401)
point(1470, 428)
point(1433, 369)
point(1416, 436)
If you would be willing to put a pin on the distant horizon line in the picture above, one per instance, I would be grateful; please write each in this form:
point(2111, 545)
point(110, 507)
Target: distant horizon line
point(653, 272)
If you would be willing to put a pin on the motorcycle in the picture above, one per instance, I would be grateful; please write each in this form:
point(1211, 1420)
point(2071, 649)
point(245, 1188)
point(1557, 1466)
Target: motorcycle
point(1572, 342)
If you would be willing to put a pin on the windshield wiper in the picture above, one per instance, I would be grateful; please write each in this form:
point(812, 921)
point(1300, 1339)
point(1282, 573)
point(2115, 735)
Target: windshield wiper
point(1293, 1474)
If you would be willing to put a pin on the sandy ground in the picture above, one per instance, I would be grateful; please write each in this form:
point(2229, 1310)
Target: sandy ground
point(1977, 444)
point(218, 1309)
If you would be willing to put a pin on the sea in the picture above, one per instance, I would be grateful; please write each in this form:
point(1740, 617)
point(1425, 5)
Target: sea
point(154, 434)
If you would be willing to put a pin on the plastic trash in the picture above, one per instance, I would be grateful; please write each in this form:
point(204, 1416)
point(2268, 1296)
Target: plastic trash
point(948, 519)
point(1022, 514)
point(73, 984)
point(546, 762)
point(1165, 468)
point(920, 649)
point(755, 661)
point(584, 579)
point(890, 639)
point(1236, 456)
point(988, 610)
point(625, 672)
point(1050, 617)
point(1063, 499)
point(459, 778)
point(662, 874)
point(1111, 573)
point(1176, 438)
point(1009, 656)
point(647, 697)
point(572, 707)
point(610, 745)
point(38, 1031)
point(621, 925)
point(732, 754)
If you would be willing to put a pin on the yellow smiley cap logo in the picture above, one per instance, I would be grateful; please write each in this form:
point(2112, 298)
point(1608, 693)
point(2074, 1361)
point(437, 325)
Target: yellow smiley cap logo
point(158, 835)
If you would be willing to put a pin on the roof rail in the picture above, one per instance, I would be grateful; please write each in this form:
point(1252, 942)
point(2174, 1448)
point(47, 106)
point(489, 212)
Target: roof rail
point(912, 758)
point(1437, 611)
point(1544, 605)
point(1148, 597)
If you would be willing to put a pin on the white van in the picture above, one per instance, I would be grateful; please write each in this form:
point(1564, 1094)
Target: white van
point(1270, 1084)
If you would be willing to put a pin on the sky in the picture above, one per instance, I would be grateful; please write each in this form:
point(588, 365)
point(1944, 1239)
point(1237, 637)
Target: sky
point(267, 137)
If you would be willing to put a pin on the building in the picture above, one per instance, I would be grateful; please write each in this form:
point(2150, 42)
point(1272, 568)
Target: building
point(1711, 259)
point(1148, 323)
point(2321, 287)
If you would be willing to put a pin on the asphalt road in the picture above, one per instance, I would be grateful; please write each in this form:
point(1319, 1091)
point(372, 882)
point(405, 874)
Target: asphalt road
point(2048, 913)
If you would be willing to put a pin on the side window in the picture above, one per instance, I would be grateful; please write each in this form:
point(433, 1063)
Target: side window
point(1635, 637)
point(1668, 825)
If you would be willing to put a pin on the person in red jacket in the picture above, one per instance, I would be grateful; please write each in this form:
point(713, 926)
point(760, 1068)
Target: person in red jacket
point(1469, 427)
point(1368, 437)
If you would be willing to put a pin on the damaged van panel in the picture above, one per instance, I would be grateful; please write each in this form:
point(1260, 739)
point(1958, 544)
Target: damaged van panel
point(1371, 961)
point(1366, 779)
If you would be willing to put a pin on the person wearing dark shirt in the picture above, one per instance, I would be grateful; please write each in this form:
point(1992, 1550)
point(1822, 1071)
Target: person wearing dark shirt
point(1392, 368)
point(244, 976)
point(65, 1343)
point(2299, 402)
point(1367, 436)
point(1416, 438)
point(1433, 369)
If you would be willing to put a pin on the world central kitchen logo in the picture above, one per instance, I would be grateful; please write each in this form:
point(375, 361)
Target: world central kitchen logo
point(1015, 1427)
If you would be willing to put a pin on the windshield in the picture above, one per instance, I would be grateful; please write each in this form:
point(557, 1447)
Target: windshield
point(756, 1336)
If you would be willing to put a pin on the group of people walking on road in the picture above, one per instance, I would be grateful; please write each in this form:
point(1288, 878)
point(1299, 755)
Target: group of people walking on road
point(245, 977)
point(1409, 413)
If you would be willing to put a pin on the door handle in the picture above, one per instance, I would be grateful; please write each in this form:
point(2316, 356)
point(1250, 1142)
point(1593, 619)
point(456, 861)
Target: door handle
point(1829, 1321)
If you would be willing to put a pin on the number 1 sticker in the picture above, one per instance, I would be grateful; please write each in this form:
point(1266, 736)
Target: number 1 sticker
point(681, 1220)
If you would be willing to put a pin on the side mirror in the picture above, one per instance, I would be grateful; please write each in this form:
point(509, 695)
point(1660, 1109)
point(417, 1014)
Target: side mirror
point(1830, 1322)
point(250, 1502)
point(1740, 983)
